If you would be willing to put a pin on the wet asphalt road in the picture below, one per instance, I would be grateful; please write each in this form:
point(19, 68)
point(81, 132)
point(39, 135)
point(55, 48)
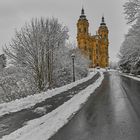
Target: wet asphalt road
point(14, 121)
point(111, 113)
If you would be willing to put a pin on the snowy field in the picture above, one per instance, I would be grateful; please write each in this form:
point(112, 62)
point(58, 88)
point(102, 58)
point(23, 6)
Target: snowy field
point(131, 76)
point(29, 101)
point(44, 127)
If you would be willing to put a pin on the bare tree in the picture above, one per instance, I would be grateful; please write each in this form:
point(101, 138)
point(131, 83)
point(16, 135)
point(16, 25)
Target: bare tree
point(33, 46)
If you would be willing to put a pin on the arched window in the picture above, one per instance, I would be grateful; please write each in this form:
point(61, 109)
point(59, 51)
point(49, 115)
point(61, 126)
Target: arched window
point(97, 57)
point(85, 47)
point(85, 30)
point(90, 57)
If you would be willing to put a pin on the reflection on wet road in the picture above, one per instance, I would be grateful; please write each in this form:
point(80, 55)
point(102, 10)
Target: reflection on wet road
point(112, 113)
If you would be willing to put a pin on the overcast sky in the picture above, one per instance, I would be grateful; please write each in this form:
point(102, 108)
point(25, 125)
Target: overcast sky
point(14, 14)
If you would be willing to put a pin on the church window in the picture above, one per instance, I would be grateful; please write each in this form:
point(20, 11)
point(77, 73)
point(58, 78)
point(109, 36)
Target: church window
point(90, 49)
point(97, 57)
point(97, 50)
point(85, 48)
point(90, 57)
point(85, 30)
point(96, 45)
point(79, 29)
point(79, 45)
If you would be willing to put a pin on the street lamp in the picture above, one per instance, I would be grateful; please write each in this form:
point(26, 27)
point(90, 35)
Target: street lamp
point(94, 67)
point(73, 57)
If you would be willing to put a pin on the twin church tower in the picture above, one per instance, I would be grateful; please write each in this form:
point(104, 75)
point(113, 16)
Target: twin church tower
point(95, 47)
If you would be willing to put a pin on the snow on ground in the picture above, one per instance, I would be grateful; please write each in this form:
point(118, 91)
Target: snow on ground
point(130, 76)
point(44, 127)
point(102, 69)
point(31, 100)
point(112, 70)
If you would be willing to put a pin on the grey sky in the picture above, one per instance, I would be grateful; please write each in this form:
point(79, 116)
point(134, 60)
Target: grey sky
point(14, 13)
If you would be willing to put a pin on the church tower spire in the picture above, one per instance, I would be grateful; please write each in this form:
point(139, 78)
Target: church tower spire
point(82, 31)
point(103, 21)
point(82, 24)
point(103, 32)
point(82, 16)
point(82, 11)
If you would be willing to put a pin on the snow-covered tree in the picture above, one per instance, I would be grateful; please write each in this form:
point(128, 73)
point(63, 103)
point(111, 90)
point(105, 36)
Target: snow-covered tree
point(62, 68)
point(33, 47)
point(130, 49)
point(15, 83)
point(40, 50)
point(2, 61)
point(132, 10)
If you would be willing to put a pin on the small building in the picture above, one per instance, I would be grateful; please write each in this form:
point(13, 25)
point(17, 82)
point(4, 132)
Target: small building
point(93, 46)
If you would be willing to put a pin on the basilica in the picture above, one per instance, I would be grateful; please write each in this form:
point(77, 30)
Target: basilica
point(95, 47)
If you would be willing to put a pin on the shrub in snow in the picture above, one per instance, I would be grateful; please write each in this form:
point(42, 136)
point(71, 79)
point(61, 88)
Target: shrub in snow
point(15, 84)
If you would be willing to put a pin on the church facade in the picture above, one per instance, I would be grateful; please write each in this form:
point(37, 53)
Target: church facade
point(95, 47)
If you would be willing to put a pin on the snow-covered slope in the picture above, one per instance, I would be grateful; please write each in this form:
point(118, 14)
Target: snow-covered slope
point(30, 101)
point(44, 127)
